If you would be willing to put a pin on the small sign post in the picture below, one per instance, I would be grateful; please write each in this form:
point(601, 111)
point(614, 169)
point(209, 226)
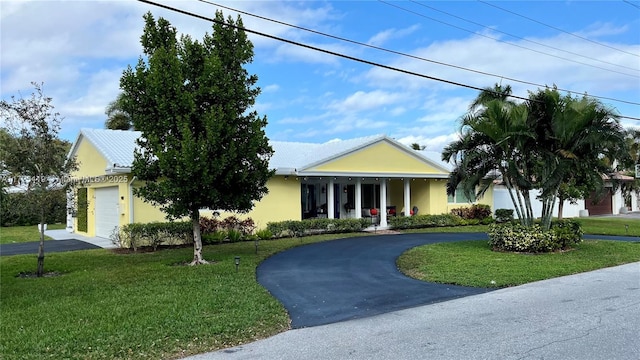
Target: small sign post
point(637, 171)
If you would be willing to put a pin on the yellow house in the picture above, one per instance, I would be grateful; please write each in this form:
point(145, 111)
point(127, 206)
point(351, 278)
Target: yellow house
point(336, 179)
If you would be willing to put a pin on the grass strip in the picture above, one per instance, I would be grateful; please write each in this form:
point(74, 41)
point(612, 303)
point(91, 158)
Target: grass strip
point(19, 234)
point(472, 263)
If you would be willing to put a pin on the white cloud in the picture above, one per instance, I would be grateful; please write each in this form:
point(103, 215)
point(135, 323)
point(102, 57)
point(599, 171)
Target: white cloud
point(384, 36)
point(436, 143)
point(271, 88)
point(360, 101)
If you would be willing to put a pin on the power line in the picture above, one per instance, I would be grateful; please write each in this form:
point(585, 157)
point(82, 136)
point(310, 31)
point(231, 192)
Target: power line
point(632, 4)
point(521, 38)
point(559, 29)
point(505, 42)
point(202, 17)
point(407, 55)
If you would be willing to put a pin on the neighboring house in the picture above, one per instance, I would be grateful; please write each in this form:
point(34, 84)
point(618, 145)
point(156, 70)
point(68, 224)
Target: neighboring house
point(608, 203)
point(336, 179)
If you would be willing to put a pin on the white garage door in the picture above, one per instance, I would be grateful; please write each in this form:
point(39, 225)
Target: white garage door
point(107, 211)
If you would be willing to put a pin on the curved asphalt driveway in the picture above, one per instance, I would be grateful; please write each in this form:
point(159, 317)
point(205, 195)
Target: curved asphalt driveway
point(352, 278)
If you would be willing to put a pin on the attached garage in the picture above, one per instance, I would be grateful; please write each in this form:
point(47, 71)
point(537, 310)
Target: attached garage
point(107, 211)
point(604, 205)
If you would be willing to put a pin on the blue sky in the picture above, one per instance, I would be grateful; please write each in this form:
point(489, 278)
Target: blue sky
point(80, 48)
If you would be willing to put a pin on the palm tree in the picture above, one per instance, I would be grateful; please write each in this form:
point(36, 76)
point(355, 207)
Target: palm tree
point(491, 146)
point(117, 117)
point(497, 92)
point(573, 139)
point(550, 141)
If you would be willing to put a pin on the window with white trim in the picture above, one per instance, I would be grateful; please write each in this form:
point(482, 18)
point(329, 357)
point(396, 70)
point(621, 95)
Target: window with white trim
point(459, 197)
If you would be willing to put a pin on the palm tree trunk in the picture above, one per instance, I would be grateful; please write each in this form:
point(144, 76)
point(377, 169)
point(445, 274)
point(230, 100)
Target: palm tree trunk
point(560, 207)
point(513, 199)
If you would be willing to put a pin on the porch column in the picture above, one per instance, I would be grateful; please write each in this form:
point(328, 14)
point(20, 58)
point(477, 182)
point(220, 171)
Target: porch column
point(331, 200)
point(407, 197)
point(383, 203)
point(358, 203)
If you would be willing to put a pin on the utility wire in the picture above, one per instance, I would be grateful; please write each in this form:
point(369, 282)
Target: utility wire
point(202, 17)
point(502, 41)
point(407, 55)
point(559, 29)
point(521, 38)
point(632, 4)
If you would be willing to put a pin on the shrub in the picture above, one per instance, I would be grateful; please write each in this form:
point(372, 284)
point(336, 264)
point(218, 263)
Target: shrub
point(519, 238)
point(234, 235)
point(475, 211)
point(214, 237)
point(423, 221)
point(156, 234)
point(504, 215)
point(211, 225)
point(293, 228)
point(264, 234)
point(568, 232)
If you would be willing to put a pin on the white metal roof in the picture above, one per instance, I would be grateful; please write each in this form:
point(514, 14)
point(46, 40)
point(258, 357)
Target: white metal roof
point(117, 147)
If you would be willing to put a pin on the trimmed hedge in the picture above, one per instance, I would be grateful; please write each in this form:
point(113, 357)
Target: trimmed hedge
point(154, 234)
point(425, 221)
point(294, 228)
point(518, 238)
point(504, 215)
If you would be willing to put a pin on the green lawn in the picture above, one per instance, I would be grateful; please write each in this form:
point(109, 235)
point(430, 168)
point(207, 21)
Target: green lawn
point(106, 305)
point(18, 234)
point(472, 263)
point(138, 306)
point(610, 226)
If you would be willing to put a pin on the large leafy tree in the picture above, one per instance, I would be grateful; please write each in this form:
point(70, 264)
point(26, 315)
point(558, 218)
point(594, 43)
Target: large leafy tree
point(32, 153)
point(202, 146)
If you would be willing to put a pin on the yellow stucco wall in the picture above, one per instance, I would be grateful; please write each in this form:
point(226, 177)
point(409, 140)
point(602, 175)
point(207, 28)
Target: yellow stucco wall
point(90, 162)
point(380, 158)
point(144, 212)
point(280, 204)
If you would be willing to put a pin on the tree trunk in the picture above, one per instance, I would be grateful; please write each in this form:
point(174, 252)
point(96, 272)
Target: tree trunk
point(40, 269)
point(560, 207)
point(197, 239)
point(513, 199)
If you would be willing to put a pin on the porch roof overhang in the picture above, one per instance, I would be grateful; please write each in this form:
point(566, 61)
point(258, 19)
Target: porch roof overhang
point(383, 175)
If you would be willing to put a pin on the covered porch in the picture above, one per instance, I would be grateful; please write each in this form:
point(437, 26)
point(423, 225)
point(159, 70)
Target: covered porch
point(377, 198)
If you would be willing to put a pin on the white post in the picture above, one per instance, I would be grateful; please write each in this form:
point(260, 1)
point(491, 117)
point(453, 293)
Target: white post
point(358, 204)
point(330, 200)
point(70, 209)
point(407, 197)
point(383, 203)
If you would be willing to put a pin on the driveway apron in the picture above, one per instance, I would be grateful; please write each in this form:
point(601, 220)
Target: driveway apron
point(352, 278)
